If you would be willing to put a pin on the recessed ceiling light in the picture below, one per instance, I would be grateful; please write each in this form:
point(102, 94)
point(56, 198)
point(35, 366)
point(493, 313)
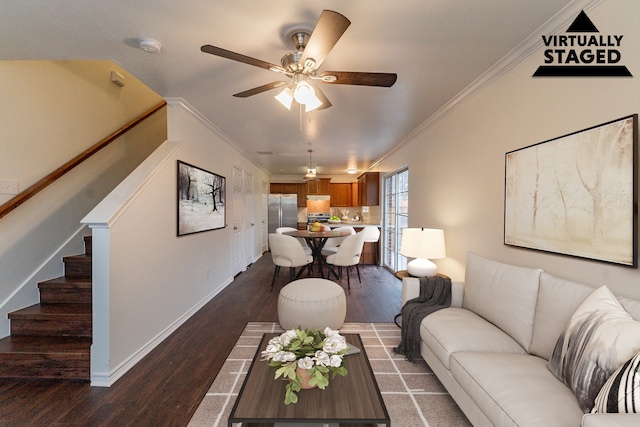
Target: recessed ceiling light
point(352, 171)
point(150, 45)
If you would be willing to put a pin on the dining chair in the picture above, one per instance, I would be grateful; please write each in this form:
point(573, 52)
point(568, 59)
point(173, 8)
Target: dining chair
point(303, 242)
point(372, 235)
point(331, 246)
point(348, 255)
point(287, 252)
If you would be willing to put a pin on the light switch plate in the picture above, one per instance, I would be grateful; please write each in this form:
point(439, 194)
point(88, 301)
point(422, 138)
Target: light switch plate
point(8, 186)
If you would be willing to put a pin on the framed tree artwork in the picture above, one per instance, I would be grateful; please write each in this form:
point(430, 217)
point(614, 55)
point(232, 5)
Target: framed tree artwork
point(577, 194)
point(201, 200)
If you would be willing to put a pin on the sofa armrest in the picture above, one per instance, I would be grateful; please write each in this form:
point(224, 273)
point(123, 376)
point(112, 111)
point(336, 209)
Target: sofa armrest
point(411, 289)
point(610, 420)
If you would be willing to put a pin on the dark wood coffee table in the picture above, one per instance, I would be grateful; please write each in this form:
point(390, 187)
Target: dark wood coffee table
point(349, 401)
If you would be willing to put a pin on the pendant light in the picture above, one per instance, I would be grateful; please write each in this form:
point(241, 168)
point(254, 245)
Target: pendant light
point(311, 171)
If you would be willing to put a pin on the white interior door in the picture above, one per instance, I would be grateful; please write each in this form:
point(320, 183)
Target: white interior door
point(237, 257)
point(249, 238)
point(264, 208)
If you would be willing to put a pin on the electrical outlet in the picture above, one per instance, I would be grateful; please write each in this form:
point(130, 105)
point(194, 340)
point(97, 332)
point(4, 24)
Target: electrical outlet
point(8, 186)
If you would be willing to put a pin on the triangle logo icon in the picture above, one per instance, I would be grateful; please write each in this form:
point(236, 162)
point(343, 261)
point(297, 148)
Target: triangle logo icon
point(582, 24)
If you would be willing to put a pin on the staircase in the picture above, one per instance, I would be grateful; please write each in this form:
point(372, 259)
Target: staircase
point(53, 339)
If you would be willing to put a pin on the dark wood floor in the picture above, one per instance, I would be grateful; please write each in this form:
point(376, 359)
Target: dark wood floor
point(166, 387)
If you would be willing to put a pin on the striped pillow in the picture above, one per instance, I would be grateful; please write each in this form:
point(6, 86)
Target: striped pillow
point(621, 392)
point(600, 337)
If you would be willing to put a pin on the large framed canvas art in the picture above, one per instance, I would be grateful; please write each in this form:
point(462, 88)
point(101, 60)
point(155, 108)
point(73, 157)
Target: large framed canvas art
point(201, 200)
point(577, 194)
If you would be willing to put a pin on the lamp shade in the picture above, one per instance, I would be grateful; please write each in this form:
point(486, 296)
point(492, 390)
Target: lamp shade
point(422, 244)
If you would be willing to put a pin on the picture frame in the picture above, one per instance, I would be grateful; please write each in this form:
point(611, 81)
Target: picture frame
point(201, 200)
point(577, 194)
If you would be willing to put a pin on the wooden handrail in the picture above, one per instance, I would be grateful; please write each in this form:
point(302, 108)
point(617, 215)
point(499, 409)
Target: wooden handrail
point(44, 182)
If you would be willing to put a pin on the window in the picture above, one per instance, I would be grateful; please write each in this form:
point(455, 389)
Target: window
point(395, 218)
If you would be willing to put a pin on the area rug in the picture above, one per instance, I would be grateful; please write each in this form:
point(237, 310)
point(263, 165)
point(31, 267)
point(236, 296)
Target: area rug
point(412, 394)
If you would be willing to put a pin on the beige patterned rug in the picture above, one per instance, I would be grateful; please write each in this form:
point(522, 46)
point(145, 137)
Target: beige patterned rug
point(412, 394)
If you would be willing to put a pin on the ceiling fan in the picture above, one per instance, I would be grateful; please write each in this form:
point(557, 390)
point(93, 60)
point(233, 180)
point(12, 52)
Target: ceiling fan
point(302, 66)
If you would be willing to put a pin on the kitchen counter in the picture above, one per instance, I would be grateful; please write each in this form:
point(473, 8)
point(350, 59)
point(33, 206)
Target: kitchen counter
point(353, 224)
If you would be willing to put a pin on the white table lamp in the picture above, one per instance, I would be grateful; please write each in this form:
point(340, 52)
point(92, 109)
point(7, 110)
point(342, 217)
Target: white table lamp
point(423, 244)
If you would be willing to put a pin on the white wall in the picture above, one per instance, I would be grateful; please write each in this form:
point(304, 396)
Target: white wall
point(456, 164)
point(52, 111)
point(148, 281)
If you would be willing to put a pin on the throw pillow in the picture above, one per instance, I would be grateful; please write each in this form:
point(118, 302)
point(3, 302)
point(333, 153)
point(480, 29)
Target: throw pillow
point(621, 392)
point(600, 337)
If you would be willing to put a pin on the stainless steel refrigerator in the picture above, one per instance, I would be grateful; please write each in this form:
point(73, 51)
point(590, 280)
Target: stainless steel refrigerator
point(283, 211)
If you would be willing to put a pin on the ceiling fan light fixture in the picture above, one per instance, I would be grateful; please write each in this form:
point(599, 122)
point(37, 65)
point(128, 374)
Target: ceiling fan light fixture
point(303, 92)
point(285, 98)
point(312, 104)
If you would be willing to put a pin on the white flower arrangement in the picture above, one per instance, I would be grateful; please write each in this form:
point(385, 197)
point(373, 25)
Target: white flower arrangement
point(318, 352)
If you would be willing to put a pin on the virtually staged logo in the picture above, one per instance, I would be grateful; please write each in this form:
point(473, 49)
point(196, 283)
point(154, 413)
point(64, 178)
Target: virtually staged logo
point(581, 53)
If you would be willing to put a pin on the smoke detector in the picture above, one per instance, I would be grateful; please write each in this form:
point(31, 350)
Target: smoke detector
point(150, 45)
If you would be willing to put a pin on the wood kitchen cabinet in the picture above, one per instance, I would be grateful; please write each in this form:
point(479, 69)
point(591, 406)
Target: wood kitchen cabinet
point(344, 195)
point(302, 195)
point(320, 186)
point(291, 188)
point(369, 189)
point(284, 188)
point(341, 195)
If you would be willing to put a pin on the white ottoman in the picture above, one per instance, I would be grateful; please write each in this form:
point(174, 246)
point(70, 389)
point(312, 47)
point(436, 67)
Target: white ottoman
point(312, 304)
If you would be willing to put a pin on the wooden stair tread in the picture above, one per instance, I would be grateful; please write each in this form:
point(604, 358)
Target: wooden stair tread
point(79, 258)
point(46, 345)
point(53, 311)
point(66, 282)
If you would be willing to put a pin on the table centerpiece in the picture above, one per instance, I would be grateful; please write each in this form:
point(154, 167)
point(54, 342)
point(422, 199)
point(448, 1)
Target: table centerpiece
point(305, 357)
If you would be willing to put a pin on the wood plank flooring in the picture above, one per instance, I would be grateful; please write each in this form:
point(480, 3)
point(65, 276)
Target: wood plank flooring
point(166, 387)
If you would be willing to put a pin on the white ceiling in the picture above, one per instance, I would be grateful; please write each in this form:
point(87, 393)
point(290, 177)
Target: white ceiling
point(437, 48)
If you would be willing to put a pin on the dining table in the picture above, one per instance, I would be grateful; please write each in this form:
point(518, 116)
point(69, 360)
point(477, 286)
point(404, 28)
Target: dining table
point(316, 241)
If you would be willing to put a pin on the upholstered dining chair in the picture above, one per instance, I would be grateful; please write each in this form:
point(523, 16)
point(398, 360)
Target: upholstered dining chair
point(302, 241)
point(331, 246)
point(348, 255)
point(287, 252)
point(372, 235)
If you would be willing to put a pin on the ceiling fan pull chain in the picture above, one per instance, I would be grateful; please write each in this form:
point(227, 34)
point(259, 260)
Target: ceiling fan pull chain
point(300, 118)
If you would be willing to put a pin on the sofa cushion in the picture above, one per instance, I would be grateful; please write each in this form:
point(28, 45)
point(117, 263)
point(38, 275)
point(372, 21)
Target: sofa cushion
point(600, 337)
point(558, 299)
point(450, 330)
point(503, 294)
point(515, 390)
point(621, 392)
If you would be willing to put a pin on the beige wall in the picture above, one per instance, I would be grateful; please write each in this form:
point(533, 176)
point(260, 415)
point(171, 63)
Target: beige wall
point(458, 182)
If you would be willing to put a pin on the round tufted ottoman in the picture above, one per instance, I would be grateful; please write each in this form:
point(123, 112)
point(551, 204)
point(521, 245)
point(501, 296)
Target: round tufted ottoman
point(312, 304)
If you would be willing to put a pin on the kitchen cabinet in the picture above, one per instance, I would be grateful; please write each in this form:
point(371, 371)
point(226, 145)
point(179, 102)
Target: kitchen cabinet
point(369, 189)
point(320, 186)
point(284, 188)
point(302, 195)
point(342, 194)
point(291, 188)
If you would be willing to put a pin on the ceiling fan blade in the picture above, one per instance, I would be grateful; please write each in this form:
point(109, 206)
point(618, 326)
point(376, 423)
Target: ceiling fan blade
point(326, 34)
point(260, 89)
point(322, 97)
point(357, 78)
point(218, 51)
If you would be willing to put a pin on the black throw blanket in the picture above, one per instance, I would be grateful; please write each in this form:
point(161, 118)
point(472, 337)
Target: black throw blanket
point(435, 293)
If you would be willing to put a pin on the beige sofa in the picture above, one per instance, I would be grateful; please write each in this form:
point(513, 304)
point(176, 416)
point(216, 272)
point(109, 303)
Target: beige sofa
point(491, 348)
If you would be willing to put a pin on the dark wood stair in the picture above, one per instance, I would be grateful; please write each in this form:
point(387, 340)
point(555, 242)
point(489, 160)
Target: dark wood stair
point(52, 339)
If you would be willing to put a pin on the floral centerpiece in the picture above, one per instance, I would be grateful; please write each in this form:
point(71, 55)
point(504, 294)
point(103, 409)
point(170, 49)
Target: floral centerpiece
point(308, 354)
